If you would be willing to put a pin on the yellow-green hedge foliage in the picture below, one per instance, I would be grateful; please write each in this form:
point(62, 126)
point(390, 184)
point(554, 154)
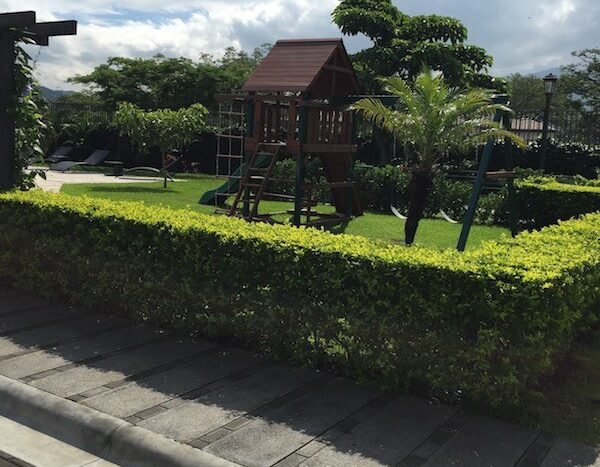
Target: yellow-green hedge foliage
point(482, 326)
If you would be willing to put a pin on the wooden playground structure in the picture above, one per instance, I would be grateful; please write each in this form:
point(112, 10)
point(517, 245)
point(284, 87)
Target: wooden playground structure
point(287, 108)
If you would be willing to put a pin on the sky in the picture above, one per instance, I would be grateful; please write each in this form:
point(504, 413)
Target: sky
point(523, 36)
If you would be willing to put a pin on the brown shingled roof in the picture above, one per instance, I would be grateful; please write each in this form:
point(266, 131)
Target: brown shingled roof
point(306, 65)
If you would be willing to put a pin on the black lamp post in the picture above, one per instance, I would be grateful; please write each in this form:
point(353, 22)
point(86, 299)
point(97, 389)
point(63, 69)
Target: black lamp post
point(549, 88)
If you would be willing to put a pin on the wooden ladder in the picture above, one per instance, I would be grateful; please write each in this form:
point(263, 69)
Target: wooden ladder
point(256, 178)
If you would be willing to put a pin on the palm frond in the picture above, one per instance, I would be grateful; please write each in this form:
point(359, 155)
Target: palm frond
point(434, 118)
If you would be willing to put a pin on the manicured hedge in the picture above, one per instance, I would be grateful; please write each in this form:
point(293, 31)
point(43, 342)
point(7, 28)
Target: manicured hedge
point(545, 200)
point(482, 327)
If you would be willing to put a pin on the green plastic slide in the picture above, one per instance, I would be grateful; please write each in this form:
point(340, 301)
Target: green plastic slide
point(232, 184)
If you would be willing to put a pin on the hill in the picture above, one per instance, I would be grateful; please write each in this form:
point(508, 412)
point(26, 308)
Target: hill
point(52, 95)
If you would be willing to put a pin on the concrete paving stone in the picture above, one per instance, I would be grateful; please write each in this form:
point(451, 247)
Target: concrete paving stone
point(292, 460)
point(171, 404)
point(9, 291)
point(57, 332)
point(216, 435)
point(537, 451)
point(151, 412)
point(485, 442)
point(118, 367)
point(571, 454)
point(100, 463)
point(74, 351)
point(311, 448)
point(412, 461)
point(268, 440)
point(29, 318)
point(198, 443)
point(227, 404)
point(94, 392)
point(387, 437)
point(35, 448)
point(156, 389)
point(14, 303)
point(238, 423)
point(5, 461)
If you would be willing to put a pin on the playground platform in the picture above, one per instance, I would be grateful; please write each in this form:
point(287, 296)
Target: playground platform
point(116, 388)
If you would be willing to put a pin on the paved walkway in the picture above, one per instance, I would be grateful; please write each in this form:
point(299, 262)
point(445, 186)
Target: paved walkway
point(21, 446)
point(237, 406)
point(55, 180)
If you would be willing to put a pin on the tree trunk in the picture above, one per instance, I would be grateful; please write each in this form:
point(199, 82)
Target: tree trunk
point(419, 187)
point(164, 169)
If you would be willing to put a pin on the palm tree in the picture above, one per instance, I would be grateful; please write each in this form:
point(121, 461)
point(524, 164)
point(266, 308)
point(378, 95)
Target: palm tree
point(431, 119)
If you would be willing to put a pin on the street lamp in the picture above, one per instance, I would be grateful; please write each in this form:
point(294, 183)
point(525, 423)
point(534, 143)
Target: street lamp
point(549, 88)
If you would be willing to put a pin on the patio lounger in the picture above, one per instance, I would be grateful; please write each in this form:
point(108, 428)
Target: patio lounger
point(94, 160)
point(60, 154)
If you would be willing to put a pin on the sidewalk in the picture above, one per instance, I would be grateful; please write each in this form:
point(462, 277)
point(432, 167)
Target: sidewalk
point(236, 406)
point(55, 180)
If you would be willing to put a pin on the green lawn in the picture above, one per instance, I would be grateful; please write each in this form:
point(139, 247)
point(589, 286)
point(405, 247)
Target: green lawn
point(184, 194)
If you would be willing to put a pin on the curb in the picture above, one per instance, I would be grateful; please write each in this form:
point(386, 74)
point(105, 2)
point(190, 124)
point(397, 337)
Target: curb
point(95, 432)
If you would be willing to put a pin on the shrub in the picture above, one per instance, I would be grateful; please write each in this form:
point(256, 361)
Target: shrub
point(541, 200)
point(379, 187)
point(562, 158)
point(544, 200)
point(481, 327)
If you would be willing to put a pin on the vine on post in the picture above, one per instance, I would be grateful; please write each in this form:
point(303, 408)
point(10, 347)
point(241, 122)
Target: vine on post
point(29, 121)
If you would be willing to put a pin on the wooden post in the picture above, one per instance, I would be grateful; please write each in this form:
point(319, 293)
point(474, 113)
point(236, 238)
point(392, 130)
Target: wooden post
point(250, 126)
point(350, 138)
point(249, 116)
point(509, 164)
point(291, 129)
point(302, 132)
point(478, 183)
point(7, 102)
point(258, 133)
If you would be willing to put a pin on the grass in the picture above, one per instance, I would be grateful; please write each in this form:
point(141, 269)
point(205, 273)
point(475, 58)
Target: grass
point(377, 227)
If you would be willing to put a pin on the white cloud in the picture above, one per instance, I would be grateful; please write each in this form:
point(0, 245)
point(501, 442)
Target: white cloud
point(187, 29)
point(554, 13)
point(522, 36)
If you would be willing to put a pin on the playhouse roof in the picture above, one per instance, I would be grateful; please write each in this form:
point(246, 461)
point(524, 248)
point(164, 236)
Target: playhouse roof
point(320, 67)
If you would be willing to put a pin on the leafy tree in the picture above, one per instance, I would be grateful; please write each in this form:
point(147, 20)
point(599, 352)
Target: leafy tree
point(165, 129)
point(433, 118)
point(85, 98)
point(527, 94)
point(161, 82)
point(403, 44)
point(583, 78)
point(578, 88)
